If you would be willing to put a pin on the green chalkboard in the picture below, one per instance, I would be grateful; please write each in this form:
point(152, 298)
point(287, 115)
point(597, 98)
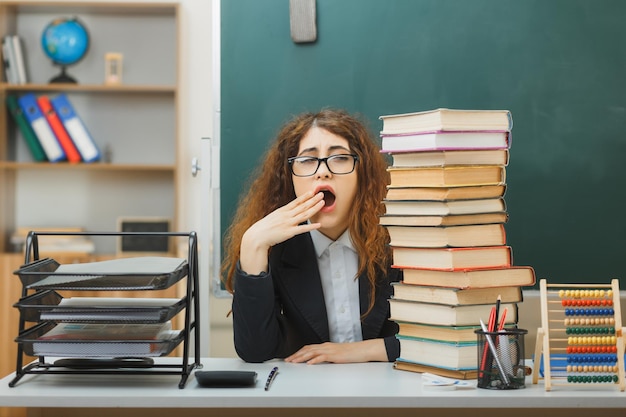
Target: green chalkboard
point(558, 65)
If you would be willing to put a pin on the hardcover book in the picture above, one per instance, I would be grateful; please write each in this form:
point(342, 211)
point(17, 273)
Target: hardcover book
point(456, 296)
point(451, 220)
point(461, 355)
point(452, 259)
point(448, 236)
point(446, 315)
point(443, 119)
point(471, 278)
point(444, 208)
point(404, 365)
point(437, 332)
point(445, 193)
point(450, 158)
point(440, 141)
point(455, 176)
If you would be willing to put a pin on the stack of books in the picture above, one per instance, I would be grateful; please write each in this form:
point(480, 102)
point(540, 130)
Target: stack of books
point(445, 214)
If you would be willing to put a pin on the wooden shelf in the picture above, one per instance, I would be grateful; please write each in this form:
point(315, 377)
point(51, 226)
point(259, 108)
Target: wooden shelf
point(96, 166)
point(89, 88)
point(79, 7)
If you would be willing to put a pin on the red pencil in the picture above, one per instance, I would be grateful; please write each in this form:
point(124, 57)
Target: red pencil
point(490, 327)
point(502, 320)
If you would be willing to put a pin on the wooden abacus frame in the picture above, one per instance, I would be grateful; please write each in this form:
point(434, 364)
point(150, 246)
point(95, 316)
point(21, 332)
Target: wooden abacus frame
point(553, 337)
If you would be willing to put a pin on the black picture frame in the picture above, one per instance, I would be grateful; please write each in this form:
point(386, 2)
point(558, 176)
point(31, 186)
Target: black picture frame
point(133, 245)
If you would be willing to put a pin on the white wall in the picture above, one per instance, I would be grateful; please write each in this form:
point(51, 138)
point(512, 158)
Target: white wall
point(197, 108)
point(199, 86)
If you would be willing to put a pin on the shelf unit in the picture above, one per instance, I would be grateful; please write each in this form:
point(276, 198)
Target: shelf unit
point(34, 275)
point(135, 124)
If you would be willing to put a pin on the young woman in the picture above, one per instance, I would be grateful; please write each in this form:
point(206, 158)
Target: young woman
point(305, 257)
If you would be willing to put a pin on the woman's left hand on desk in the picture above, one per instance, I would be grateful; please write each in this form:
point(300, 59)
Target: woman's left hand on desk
point(365, 351)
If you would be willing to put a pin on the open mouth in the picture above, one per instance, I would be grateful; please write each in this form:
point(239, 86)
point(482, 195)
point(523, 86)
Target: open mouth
point(329, 198)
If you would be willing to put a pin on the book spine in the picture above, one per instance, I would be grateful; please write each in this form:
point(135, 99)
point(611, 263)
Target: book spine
point(26, 129)
point(57, 127)
point(19, 60)
point(76, 128)
point(42, 129)
point(6, 65)
point(8, 57)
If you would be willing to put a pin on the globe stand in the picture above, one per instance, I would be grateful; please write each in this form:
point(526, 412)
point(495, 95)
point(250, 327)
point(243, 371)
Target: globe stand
point(63, 77)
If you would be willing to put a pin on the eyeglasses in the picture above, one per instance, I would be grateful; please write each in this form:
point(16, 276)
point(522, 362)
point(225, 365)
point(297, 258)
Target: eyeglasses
point(305, 166)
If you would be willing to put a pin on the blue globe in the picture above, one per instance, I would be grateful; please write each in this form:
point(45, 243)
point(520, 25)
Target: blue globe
point(65, 41)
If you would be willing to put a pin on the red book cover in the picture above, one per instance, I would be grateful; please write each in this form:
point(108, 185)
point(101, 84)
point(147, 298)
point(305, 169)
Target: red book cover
point(59, 130)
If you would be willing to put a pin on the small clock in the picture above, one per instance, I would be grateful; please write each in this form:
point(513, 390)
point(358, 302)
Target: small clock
point(113, 68)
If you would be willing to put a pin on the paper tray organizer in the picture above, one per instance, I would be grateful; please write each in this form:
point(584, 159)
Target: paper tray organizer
point(40, 274)
point(42, 279)
point(44, 306)
point(81, 348)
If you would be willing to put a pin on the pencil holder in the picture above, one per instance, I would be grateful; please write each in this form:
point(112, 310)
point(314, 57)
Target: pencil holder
point(501, 359)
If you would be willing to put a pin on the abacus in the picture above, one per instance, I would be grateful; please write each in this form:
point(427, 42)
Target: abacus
point(581, 335)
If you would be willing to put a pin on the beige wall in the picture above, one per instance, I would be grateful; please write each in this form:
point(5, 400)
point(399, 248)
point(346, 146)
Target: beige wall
point(221, 332)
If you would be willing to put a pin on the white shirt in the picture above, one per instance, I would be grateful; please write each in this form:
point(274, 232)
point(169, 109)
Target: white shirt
point(338, 264)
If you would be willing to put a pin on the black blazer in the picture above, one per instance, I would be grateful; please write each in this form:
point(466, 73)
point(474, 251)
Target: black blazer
point(276, 313)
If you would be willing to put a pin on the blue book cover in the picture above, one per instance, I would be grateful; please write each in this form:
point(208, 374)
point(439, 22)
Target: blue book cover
point(76, 128)
point(45, 134)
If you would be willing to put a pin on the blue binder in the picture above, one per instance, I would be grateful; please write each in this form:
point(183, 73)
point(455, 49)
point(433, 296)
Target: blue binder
point(30, 137)
point(76, 128)
point(45, 134)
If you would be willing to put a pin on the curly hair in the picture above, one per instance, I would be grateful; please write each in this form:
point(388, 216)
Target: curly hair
point(272, 188)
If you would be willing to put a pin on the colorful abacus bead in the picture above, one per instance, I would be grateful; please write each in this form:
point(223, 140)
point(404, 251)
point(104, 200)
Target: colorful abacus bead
point(592, 378)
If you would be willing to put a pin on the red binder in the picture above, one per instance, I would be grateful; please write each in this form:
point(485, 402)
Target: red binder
point(59, 130)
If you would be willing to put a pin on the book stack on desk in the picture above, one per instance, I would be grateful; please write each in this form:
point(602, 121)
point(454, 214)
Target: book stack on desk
point(445, 214)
